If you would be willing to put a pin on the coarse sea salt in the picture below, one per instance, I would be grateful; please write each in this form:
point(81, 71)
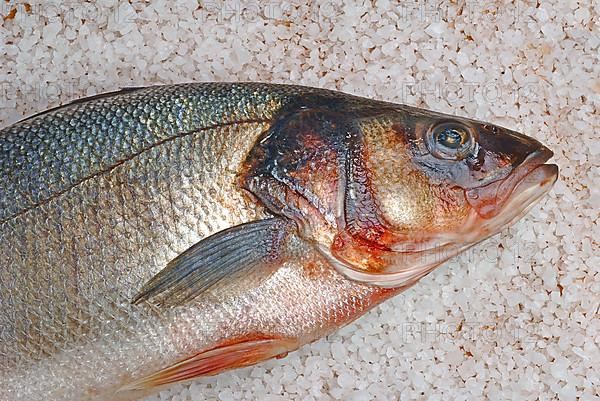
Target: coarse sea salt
point(547, 279)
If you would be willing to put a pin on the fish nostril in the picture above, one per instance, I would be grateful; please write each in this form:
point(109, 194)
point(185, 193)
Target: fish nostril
point(476, 161)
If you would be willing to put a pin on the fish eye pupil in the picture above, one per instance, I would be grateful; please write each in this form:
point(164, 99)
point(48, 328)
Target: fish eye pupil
point(450, 138)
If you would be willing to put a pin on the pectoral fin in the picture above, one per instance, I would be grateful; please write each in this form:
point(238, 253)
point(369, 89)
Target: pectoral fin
point(238, 250)
point(237, 354)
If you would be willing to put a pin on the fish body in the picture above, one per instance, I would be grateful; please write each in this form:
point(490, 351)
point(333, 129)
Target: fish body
point(97, 197)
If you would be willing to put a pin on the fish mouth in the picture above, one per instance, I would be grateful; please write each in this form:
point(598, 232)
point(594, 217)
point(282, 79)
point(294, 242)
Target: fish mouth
point(506, 201)
point(529, 177)
point(524, 194)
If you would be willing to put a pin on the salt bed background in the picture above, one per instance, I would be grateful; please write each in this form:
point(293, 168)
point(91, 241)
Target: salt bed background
point(516, 318)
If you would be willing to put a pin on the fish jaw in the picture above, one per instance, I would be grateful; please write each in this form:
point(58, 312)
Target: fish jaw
point(525, 194)
point(490, 200)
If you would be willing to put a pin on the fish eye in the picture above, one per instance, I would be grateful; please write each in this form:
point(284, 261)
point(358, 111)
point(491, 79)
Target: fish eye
point(450, 140)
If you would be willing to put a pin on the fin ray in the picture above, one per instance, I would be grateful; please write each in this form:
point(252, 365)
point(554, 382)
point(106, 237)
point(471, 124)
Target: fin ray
point(237, 250)
point(216, 360)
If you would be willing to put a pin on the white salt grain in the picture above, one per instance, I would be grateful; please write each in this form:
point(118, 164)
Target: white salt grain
point(345, 380)
point(361, 395)
point(436, 29)
point(338, 351)
point(558, 368)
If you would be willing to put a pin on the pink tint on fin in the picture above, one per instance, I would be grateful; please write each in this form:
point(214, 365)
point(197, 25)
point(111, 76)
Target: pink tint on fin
point(232, 355)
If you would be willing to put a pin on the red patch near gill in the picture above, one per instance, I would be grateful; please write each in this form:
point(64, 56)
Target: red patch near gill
point(360, 252)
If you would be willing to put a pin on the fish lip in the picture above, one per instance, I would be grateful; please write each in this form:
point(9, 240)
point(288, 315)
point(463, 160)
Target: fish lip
point(538, 157)
point(490, 200)
point(535, 185)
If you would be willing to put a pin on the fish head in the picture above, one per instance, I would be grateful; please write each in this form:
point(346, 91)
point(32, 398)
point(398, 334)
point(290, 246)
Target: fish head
point(439, 184)
point(388, 194)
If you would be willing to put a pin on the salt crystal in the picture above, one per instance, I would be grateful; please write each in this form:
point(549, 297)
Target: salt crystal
point(568, 392)
point(436, 29)
point(345, 380)
point(466, 369)
point(558, 368)
point(360, 395)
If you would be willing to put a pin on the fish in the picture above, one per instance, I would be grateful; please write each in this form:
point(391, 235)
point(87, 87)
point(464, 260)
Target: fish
point(154, 235)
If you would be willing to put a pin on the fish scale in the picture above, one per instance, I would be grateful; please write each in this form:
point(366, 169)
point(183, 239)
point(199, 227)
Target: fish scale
point(92, 129)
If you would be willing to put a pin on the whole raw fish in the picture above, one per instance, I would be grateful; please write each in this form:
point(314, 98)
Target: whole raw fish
point(158, 234)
